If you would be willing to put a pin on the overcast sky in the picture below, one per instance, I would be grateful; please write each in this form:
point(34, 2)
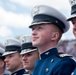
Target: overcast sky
point(15, 16)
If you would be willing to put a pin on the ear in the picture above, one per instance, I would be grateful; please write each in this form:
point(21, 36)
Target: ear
point(55, 36)
point(2, 63)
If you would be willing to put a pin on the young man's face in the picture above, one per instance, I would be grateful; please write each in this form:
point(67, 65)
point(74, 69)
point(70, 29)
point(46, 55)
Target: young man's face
point(74, 26)
point(13, 61)
point(42, 35)
point(29, 60)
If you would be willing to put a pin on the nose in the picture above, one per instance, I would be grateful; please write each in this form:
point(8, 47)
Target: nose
point(74, 27)
point(24, 57)
point(34, 32)
point(6, 59)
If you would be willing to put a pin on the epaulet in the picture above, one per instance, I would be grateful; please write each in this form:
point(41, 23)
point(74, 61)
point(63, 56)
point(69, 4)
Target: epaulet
point(62, 55)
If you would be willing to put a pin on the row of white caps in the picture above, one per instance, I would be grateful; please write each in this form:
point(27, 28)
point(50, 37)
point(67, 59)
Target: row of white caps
point(15, 44)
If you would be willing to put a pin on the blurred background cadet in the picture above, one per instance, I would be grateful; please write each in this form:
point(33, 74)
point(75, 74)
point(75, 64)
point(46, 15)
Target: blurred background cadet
point(29, 53)
point(72, 18)
point(13, 57)
point(3, 70)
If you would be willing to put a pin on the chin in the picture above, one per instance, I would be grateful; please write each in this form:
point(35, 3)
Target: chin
point(25, 67)
point(35, 45)
point(8, 69)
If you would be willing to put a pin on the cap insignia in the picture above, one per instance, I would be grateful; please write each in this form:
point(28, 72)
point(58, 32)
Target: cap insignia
point(23, 40)
point(35, 10)
point(72, 2)
point(6, 42)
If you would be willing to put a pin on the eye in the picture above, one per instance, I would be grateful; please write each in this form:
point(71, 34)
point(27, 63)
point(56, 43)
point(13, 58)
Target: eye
point(33, 28)
point(40, 27)
point(37, 27)
point(11, 56)
point(23, 55)
point(29, 54)
point(74, 21)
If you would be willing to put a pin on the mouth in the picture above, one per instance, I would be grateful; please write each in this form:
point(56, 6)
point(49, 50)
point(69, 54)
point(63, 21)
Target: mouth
point(35, 38)
point(25, 63)
point(7, 65)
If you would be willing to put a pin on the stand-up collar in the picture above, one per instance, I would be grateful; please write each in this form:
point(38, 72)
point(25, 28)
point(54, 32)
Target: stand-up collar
point(49, 53)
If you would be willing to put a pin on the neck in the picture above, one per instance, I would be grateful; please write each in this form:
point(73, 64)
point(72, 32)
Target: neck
point(46, 47)
point(31, 70)
point(20, 67)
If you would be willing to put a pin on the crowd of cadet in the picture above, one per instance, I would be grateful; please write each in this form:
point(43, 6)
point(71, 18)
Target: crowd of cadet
point(40, 55)
point(19, 56)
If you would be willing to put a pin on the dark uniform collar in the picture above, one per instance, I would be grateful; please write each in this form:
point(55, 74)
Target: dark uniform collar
point(48, 53)
point(19, 72)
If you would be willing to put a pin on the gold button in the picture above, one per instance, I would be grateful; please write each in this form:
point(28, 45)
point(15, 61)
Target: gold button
point(52, 60)
point(47, 69)
point(72, 73)
point(15, 74)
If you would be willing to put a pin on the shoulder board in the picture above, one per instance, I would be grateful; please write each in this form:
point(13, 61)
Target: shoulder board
point(63, 55)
